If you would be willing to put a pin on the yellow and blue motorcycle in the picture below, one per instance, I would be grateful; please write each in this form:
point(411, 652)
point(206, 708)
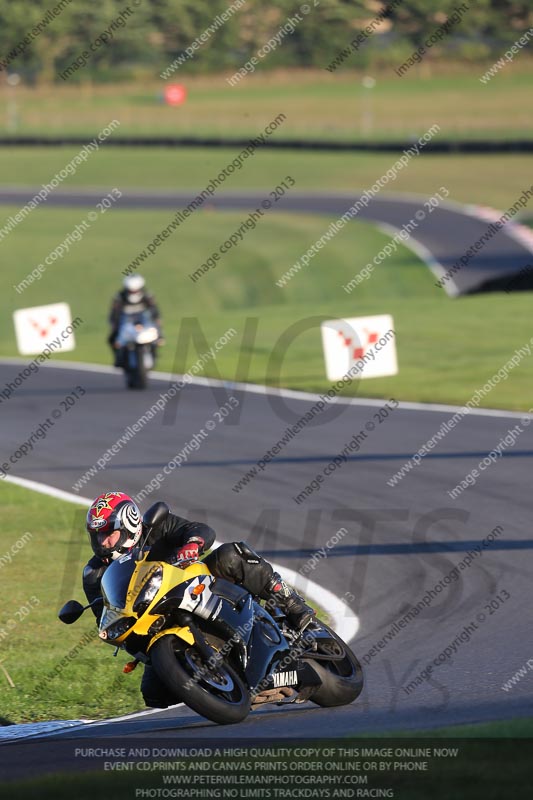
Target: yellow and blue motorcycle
point(213, 645)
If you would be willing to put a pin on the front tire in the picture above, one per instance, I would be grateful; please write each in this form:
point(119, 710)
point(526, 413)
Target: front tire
point(130, 370)
point(141, 377)
point(216, 693)
point(130, 379)
point(342, 680)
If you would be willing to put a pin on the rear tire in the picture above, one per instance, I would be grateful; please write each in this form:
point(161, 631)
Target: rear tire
point(217, 694)
point(342, 680)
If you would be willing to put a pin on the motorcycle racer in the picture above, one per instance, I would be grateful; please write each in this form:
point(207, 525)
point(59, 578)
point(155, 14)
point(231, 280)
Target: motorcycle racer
point(115, 526)
point(132, 299)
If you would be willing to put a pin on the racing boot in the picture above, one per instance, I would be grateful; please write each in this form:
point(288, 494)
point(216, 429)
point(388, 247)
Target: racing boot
point(278, 593)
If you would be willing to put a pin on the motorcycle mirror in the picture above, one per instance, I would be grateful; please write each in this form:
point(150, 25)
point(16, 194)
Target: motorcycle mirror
point(71, 612)
point(156, 514)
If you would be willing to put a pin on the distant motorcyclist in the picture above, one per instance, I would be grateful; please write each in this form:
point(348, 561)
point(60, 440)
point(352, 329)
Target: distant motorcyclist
point(132, 299)
point(115, 526)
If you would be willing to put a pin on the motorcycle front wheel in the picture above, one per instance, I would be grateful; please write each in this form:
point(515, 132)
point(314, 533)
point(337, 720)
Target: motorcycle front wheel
point(214, 691)
point(141, 375)
point(341, 678)
point(135, 368)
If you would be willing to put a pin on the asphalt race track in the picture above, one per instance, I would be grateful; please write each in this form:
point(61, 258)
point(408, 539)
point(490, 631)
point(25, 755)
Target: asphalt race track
point(400, 541)
point(442, 236)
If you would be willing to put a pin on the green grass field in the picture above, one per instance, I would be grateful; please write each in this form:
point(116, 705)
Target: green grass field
point(318, 104)
point(447, 348)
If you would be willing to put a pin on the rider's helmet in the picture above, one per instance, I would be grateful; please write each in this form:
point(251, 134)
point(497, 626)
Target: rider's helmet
point(110, 512)
point(134, 288)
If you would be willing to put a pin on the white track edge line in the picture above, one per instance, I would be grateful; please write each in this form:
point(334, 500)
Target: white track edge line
point(257, 388)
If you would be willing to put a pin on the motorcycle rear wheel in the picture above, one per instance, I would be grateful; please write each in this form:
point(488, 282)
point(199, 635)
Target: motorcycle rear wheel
point(217, 693)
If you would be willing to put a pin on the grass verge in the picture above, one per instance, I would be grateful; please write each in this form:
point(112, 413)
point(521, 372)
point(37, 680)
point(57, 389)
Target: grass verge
point(34, 650)
point(319, 104)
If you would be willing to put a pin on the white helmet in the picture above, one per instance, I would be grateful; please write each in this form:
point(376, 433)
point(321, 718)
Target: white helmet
point(134, 285)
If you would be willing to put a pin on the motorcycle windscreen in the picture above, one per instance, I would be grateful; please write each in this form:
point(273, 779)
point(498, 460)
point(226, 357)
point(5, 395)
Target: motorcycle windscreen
point(136, 327)
point(117, 579)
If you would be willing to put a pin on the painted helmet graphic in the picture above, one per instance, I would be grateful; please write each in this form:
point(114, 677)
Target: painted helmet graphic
point(109, 513)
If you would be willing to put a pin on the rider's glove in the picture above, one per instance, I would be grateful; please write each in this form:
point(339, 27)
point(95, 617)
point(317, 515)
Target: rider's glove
point(191, 550)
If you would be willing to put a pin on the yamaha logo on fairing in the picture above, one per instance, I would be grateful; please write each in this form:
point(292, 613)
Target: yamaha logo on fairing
point(289, 678)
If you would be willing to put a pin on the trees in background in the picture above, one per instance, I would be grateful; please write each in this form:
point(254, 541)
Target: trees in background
point(158, 31)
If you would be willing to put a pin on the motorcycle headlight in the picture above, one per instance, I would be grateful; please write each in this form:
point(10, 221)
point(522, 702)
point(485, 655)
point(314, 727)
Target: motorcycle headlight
point(148, 592)
point(117, 629)
point(147, 336)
